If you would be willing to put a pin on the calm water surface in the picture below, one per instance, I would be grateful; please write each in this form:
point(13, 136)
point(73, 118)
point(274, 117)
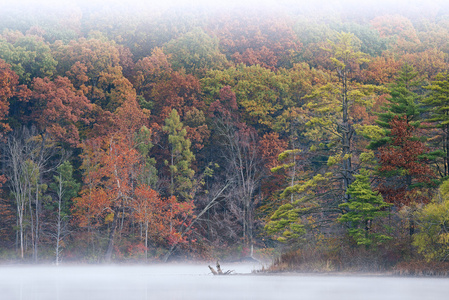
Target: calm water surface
point(196, 282)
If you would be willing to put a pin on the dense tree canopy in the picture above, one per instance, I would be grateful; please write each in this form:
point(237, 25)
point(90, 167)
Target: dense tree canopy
point(154, 132)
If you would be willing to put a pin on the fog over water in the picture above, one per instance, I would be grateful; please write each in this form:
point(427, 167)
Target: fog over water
point(196, 282)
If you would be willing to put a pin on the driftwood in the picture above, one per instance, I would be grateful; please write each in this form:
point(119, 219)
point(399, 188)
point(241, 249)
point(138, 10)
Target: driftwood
point(219, 271)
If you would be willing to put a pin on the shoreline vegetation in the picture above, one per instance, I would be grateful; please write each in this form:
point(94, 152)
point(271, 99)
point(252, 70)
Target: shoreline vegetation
point(406, 269)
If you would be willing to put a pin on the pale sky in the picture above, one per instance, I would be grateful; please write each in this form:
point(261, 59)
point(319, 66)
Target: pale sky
point(351, 5)
point(225, 2)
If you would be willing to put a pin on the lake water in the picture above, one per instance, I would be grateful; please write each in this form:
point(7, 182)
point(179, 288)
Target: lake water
point(196, 282)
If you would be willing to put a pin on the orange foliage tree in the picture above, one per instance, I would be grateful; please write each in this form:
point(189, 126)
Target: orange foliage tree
point(148, 211)
point(9, 88)
point(94, 67)
point(381, 70)
point(109, 188)
point(59, 108)
point(112, 190)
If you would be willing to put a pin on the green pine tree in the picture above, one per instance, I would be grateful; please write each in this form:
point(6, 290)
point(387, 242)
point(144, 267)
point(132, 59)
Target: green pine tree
point(363, 207)
point(437, 108)
point(148, 174)
point(69, 187)
point(181, 157)
point(402, 102)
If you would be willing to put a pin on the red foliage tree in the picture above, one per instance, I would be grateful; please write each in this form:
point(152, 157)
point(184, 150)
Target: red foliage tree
point(404, 170)
point(148, 70)
point(270, 147)
point(8, 83)
point(59, 108)
point(9, 88)
point(161, 89)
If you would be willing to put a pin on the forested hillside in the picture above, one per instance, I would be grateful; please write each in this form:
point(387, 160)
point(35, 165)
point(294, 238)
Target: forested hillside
point(146, 133)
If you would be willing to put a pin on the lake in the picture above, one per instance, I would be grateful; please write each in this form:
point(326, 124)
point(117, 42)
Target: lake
point(176, 281)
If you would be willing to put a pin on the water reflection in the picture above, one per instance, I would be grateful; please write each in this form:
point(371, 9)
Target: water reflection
point(196, 282)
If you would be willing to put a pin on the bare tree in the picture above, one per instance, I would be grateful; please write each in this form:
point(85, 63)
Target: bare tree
point(15, 157)
point(61, 222)
point(65, 188)
point(27, 158)
point(245, 170)
point(59, 229)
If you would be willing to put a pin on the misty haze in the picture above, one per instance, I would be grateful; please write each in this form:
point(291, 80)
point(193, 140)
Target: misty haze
point(196, 283)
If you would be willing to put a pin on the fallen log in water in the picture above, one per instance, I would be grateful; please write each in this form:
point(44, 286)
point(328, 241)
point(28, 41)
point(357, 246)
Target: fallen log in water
point(219, 271)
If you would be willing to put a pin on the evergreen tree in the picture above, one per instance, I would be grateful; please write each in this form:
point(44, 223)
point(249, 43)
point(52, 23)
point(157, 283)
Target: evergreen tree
point(363, 207)
point(148, 174)
point(181, 157)
point(437, 107)
point(402, 155)
point(64, 180)
point(330, 125)
point(403, 102)
point(345, 55)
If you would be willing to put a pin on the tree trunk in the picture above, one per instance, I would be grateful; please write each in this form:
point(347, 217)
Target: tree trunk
point(108, 254)
point(21, 238)
point(146, 241)
point(31, 219)
point(58, 225)
point(36, 230)
point(446, 150)
point(346, 137)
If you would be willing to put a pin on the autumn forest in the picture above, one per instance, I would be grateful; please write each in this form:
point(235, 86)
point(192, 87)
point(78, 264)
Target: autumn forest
point(314, 135)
